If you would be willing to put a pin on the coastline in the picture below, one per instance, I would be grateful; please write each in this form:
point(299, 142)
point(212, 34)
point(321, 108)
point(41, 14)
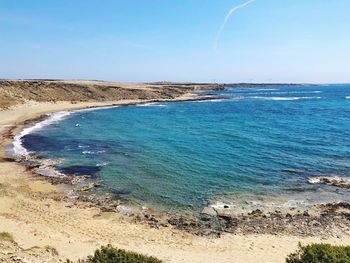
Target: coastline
point(37, 213)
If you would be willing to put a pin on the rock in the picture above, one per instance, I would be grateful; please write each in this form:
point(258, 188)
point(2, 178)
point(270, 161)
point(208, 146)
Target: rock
point(108, 209)
point(184, 223)
point(342, 182)
point(125, 210)
point(288, 215)
point(306, 213)
point(163, 223)
point(256, 212)
point(89, 187)
point(315, 223)
point(209, 211)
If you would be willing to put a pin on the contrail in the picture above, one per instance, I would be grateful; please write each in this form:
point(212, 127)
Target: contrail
point(227, 17)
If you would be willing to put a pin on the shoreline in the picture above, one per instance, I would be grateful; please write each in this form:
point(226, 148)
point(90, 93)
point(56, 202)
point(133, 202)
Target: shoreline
point(37, 119)
point(171, 242)
point(14, 119)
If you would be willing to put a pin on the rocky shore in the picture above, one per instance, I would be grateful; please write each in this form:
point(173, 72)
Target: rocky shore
point(322, 220)
point(337, 181)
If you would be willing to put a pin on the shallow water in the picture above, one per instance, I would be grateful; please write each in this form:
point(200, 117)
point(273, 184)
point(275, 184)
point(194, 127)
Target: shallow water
point(252, 146)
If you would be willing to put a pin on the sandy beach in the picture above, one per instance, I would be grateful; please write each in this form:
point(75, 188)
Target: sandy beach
point(38, 215)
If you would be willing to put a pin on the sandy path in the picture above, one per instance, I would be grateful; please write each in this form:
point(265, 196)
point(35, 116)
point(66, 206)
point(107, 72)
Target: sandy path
point(31, 209)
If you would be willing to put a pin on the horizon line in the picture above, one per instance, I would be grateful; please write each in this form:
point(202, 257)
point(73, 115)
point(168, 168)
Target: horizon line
point(183, 82)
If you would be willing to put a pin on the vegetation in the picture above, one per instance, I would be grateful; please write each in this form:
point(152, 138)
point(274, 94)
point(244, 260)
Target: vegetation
point(4, 236)
point(110, 254)
point(320, 253)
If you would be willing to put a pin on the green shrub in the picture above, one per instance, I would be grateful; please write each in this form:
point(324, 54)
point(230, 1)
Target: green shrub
point(6, 236)
point(320, 253)
point(110, 254)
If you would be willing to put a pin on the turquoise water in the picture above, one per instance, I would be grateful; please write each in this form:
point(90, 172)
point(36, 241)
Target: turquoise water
point(253, 145)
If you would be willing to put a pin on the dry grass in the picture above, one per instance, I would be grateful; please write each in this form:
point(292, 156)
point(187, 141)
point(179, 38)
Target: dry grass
point(5, 236)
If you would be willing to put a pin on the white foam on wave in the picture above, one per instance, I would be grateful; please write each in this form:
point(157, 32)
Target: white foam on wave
point(238, 98)
point(331, 180)
point(151, 104)
point(222, 205)
point(102, 164)
point(249, 89)
point(96, 108)
point(265, 89)
point(347, 97)
point(283, 98)
point(87, 152)
point(314, 180)
point(211, 100)
point(18, 148)
point(296, 92)
point(93, 152)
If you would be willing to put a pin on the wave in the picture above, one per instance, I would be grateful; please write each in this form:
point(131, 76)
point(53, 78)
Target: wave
point(18, 148)
point(289, 92)
point(221, 205)
point(102, 164)
point(347, 97)
point(238, 98)
point(93, 152)
point(211, 100)
point(265, 89)
point(96, 108)
point(298, 92)
point(283, 98)
point(87, 152)
point(343, 182)
point(247, 89)
point(151, 104)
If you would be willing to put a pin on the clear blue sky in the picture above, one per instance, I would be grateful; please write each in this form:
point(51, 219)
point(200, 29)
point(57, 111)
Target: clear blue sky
point(153, 40)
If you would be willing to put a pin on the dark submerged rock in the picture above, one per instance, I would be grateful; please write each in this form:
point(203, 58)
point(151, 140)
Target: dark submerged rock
point(80, 170)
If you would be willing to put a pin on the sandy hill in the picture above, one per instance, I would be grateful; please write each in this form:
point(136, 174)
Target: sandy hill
point(14, 92)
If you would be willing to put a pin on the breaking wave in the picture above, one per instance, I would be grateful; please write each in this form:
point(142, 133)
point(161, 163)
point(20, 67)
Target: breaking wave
point(343, 182)
point(283, 98)
point(151, 104)
point(18, 148)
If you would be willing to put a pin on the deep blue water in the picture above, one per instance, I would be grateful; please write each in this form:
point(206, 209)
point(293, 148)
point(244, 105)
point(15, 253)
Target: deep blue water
point(256, 144)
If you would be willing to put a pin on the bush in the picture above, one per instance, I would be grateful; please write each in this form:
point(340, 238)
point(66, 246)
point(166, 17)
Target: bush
point(320, 253)
point(110, 254)
point(6, 236)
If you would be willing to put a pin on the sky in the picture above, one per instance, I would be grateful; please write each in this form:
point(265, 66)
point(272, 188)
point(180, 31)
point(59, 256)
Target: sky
point(176, 40)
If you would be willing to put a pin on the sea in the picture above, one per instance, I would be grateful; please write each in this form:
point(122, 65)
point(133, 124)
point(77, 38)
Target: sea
point(258, 146)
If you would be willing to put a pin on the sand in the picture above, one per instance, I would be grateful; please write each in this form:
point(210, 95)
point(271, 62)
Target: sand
point(34, 212)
